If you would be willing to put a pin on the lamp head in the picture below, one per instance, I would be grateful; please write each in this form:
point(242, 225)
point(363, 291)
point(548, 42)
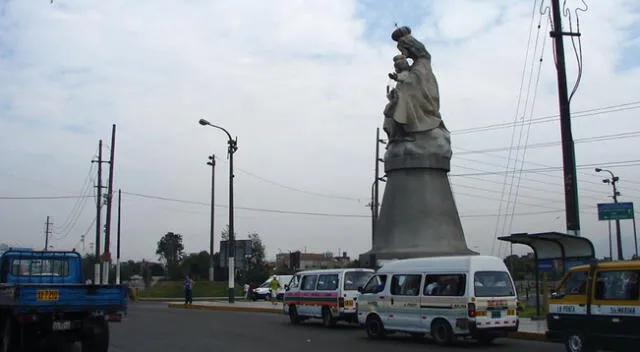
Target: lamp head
point(597, 168)
point(203, 122)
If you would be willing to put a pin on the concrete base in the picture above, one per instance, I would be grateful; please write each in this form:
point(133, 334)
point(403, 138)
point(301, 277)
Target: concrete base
point(418, 217)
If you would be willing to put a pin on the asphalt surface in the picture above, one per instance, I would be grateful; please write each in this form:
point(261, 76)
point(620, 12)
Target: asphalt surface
point(154, 327)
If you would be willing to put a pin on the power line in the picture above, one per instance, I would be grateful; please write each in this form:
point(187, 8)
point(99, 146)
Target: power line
point(41, 197)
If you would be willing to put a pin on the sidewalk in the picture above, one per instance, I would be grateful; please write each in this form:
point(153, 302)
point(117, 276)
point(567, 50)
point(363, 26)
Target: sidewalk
point(528, 329)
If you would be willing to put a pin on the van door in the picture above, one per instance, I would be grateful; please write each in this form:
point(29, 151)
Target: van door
point(568, 305)
point(615, 307)
point(308, 306)
point(404, 312)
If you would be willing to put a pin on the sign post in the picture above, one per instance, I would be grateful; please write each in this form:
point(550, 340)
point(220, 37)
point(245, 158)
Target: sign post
point(619, 211)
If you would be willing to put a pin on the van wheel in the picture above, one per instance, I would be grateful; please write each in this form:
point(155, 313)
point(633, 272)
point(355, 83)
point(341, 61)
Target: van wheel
point(575, 341)
point(293, 315)
point(374, 327)
point(327, 319)
point(441, 332)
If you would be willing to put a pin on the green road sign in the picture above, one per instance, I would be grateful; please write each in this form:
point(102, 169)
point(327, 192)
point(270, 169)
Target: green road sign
point(615, 211)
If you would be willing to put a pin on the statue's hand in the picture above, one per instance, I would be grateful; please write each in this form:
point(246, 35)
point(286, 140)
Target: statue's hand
point(393, 76)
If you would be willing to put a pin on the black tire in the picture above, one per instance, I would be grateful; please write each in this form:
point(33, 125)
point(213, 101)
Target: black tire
point(294, 319)
point(95, 337)
point(374, 327)
point(8, 341)
point(575, 341)
point(441, 332)
point(327, 319)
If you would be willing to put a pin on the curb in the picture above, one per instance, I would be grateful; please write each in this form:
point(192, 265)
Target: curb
point(226, 308)
point(173, 299)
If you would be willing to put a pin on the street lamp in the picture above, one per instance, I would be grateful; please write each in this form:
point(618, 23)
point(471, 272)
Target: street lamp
point(613, 180)
point(231, 248)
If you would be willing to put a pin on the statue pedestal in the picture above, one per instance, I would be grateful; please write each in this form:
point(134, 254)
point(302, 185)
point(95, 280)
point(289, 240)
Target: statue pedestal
point(418, 216)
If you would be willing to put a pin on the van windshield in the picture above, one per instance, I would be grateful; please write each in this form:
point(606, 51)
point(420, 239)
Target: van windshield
point(355, 279)
point(493, 284)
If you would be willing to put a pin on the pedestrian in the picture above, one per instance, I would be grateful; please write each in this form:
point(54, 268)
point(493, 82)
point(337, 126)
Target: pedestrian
point(246, 290)
point(188, 290)
point(274, 285)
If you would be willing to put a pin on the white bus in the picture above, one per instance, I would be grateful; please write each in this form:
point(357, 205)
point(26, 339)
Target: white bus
point(446, 297)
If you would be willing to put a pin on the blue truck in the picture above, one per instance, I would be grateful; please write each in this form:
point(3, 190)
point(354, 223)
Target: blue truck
point(45, 303)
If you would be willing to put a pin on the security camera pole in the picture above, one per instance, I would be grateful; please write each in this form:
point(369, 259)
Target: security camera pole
point(613, 181)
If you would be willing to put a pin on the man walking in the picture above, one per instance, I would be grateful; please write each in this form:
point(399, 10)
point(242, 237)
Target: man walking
point(274, 285)
point(188, 290)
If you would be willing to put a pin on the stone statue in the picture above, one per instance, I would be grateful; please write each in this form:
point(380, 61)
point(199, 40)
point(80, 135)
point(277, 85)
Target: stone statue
point(418, 216)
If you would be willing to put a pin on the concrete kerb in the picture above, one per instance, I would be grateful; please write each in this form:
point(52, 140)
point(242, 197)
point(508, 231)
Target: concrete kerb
point(520, 335)
point(226, 308)
point(195, 299)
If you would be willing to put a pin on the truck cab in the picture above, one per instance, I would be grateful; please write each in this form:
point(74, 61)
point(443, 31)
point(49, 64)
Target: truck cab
point(45, 303)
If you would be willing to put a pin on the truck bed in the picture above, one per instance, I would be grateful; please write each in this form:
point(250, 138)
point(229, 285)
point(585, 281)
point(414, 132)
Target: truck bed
point(40, 298)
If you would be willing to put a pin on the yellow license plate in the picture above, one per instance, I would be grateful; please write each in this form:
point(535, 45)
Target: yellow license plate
point(348, 303)
point(47, 295)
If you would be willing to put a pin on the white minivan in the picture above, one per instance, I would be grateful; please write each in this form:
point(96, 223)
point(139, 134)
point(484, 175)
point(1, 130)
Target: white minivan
point(446, 297)
point(328, 294)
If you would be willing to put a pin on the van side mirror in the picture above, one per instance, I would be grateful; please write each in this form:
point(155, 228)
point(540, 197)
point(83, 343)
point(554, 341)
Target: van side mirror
point(360, 289)
point(556, 295)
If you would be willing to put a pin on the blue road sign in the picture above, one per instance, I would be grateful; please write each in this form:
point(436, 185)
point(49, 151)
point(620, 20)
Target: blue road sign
point(545, 265)
point(615, 211)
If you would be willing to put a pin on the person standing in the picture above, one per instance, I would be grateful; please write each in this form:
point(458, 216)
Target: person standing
point(246, 290)
point(274, 285)
point(188, 290)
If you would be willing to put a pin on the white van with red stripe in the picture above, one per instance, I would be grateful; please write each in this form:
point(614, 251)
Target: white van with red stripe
point(445, 297)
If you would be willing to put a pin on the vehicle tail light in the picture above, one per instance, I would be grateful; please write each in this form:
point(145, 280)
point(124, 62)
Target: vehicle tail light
point(471, 310)
point(341, 302)
point(27, 318)
point(114, 317)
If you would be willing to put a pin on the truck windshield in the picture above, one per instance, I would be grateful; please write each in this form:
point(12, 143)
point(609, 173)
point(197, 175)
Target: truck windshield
point(493, 284)
point(355, 279)
point(40, 267)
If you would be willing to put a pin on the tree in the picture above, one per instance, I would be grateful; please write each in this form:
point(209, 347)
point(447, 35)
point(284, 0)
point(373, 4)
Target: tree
point(196, 265)
point(224, 234)
point(257, 250)
point(171, 250)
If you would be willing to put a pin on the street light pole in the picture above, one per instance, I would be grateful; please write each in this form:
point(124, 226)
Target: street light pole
point(232, 148)
point(613, 181)
point(212, 163)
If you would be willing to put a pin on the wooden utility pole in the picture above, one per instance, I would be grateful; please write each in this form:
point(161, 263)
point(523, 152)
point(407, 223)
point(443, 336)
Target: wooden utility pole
point(572, 209)
point(107, 228)
point(47, 234)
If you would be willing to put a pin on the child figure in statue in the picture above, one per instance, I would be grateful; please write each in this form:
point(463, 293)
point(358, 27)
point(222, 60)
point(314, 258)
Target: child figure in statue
point(401, 65)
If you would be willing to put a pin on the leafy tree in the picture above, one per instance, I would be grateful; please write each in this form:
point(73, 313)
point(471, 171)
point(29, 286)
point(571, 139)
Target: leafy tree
point(171, 249)
point(224, 234)
point(257, 251)
point(196, 265)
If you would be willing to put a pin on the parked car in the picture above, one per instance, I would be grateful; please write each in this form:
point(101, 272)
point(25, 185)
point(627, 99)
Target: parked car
point(264, 291)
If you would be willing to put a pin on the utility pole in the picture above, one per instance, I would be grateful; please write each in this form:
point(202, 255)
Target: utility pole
point(212, 163)
point(47, 233)
point(97, 276)
point(118, 239)
point(568, 150)
point(107, 227)
point(232, 147)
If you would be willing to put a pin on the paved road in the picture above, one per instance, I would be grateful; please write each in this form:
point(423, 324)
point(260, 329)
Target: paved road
point(153, 327)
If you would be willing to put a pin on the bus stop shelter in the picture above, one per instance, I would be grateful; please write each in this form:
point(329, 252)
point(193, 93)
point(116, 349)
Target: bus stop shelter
point(550, 247)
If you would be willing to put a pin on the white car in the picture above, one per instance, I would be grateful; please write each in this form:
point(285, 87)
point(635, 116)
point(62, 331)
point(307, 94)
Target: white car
point(264, 292)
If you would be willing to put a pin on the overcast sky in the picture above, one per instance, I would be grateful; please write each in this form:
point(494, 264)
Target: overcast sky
point(302, 85)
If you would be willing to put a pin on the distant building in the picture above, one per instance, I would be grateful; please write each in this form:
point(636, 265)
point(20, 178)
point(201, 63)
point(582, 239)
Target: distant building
point(314, 260)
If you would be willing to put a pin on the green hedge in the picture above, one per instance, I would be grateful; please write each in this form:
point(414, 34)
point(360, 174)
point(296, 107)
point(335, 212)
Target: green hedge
point(175, 289)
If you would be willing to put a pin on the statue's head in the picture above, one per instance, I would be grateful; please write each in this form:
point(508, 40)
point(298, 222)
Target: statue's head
point(400, 63)
point(408, 45)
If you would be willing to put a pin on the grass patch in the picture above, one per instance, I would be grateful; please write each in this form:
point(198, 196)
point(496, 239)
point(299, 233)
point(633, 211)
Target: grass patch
point(175, 289)
point(529, 311)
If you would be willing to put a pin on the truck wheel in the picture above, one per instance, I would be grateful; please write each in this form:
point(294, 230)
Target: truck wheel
point(95, 337)
point(374, 327)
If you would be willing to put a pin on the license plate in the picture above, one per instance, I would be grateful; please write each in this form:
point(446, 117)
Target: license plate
point(348, 303)
point(59, 325)
point(496, 314)
point(47, 295)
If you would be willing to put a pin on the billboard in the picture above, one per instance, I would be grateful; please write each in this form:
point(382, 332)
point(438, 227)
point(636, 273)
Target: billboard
point(242, 255)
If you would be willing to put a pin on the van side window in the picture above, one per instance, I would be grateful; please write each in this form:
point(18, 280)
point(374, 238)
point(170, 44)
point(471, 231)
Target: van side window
point(376, 284)
point(574, 284)
point(328, 282)
point(445, 285)
point(617, 285)
point(405, 285)
point(309, 282)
